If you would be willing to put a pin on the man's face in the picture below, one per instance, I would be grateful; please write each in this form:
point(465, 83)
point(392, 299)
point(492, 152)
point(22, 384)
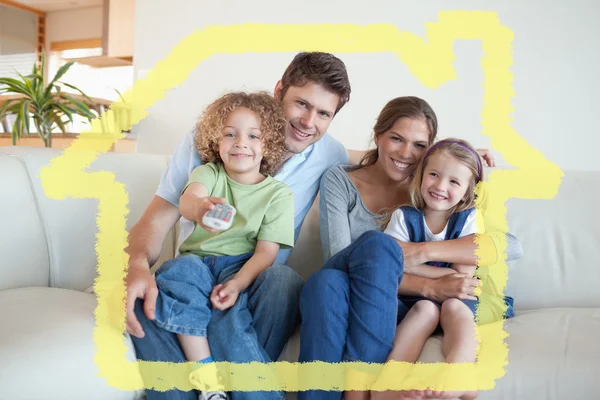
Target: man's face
point(309, 110)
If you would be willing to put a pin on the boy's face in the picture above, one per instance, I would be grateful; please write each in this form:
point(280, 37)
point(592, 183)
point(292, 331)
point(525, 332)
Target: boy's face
point(309, 110)
point(241, 147)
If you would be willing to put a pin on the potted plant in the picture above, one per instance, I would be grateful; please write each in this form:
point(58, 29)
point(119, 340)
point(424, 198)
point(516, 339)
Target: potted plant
point(43, 104)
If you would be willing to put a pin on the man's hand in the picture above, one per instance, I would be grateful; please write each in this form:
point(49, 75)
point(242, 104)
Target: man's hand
point(459, 286)
point(224, 296)
point(488, 158)
point(140, 285)
point(204, 205)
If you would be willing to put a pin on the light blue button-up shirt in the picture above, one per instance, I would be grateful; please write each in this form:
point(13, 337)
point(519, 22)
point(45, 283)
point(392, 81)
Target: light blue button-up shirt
point(302, 173)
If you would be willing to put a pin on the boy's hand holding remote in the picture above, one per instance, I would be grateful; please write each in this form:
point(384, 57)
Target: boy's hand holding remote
point(204, 205)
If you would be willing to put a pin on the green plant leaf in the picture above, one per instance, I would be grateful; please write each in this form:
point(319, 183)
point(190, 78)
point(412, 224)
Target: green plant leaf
point(6, 107)
point(66, 110)
point(77, 89)
point(61, 71)
point(25, 115)
point(82, 108)
point(13, 85)
point(61, 125)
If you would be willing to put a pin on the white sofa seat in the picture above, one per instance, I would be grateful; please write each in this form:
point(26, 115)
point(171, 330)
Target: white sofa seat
point(48, 260)
point(46, 343)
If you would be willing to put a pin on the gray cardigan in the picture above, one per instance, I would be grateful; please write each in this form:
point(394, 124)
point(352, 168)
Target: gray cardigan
point(344, 216)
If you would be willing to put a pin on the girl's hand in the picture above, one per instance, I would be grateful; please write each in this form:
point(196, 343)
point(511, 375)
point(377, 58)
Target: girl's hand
point(204, 205)
point(224, 296)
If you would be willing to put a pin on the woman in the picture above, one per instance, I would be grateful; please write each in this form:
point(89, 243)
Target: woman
point(343, 325)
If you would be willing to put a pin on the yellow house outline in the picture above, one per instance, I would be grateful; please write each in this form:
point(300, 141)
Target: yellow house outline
point(431, 62)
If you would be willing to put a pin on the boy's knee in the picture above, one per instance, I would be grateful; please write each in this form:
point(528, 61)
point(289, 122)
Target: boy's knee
point(187, 269)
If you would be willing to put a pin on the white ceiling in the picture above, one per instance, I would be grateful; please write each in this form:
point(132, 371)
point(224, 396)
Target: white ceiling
point(55, 5)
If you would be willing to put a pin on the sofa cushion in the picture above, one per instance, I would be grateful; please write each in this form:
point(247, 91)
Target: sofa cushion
point(553, 354)
point(47, 348)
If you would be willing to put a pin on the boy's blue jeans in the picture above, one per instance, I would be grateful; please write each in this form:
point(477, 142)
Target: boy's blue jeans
point(349, 307)
point(184, 287)
point(256, 328)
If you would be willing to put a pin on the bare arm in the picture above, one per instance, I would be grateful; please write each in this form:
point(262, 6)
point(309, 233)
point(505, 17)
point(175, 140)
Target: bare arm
point(263, 257)
point(144, 248)
point(148, 234)
point(195, 202)
point(225, 295)
point(428, 271)
point(468, 270)
point(450, 286)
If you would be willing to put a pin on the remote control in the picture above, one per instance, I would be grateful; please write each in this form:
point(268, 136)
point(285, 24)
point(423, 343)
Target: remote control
point(220, 217)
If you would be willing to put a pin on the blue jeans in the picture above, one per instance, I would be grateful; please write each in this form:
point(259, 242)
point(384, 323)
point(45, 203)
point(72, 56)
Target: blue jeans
point(256, 328)
point(184, 287)
point(349, 307)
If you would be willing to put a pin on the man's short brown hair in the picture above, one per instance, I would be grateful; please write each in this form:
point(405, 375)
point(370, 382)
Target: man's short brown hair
point(324, 69)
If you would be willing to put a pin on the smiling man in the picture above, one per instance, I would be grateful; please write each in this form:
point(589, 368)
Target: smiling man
point(313, 88)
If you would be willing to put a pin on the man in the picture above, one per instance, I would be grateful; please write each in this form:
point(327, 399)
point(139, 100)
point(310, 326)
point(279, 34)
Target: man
point(313, 89)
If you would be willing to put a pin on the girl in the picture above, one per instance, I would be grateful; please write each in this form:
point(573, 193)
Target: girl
point(443, 198)
point(240, 140)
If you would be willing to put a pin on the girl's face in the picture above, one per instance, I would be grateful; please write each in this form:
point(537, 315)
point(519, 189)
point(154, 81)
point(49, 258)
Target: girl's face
point(401, 148)
point(445, 181)
point(241, 147)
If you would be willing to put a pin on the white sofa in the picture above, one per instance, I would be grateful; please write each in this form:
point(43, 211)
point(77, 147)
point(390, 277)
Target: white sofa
point(48, 261)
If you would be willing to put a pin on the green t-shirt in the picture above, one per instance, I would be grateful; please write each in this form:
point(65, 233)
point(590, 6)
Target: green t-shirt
point(265, 211)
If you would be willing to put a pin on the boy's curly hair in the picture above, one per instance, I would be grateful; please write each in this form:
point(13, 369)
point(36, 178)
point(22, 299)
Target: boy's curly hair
point(209, 129)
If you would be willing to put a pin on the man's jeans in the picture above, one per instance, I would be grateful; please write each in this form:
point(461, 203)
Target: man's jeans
point(255, 329)
point(349, 308)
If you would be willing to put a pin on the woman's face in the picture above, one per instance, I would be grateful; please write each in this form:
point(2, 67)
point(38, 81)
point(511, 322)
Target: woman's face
point(401, 148)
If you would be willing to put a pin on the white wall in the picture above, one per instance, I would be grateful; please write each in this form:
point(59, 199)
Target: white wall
point(556, 68)
point(75, 24)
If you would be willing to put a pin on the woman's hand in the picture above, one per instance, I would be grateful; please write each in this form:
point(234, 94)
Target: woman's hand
point(459, 286)
point(488, 158)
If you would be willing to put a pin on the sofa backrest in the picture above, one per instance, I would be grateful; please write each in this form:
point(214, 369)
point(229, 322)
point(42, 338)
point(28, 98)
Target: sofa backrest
point(45, 242)
point(561, 245)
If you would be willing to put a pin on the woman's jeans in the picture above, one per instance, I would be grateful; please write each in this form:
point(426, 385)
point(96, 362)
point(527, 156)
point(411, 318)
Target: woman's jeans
point(349, 308)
